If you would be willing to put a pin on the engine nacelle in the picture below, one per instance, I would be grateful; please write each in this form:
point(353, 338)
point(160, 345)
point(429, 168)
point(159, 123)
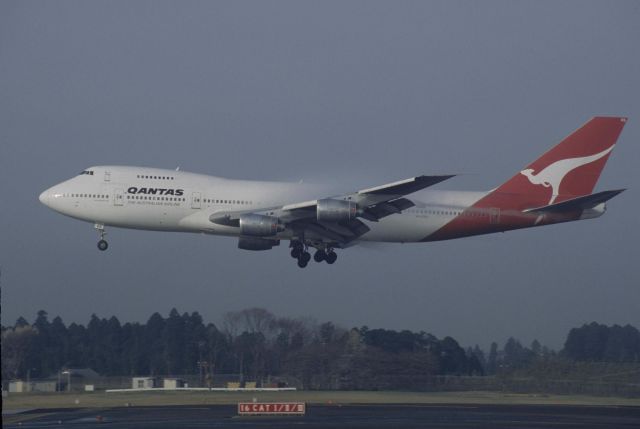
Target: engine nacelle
point(253, 243)
point(330, 210)
point(257, 225)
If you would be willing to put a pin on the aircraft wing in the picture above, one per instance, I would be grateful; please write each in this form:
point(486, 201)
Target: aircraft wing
point(337, 219)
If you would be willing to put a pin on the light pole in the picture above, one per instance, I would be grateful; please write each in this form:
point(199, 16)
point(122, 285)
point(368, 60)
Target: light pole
point(68, 373)
point(202, 366)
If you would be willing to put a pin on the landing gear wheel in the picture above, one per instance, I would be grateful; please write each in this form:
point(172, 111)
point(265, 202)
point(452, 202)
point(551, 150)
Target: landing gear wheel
point(331, 257)
point(302, 263)
point(296, 249)
point(320, 255)
point(306, 257)
point(103, 245)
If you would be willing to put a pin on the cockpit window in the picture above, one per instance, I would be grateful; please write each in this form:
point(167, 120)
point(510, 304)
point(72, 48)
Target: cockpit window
point(89, 172)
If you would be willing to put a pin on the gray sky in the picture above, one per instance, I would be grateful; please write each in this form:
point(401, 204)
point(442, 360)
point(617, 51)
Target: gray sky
point(357, 93)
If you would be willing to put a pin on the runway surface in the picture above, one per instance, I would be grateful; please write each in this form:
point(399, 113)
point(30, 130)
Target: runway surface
point(336, 416)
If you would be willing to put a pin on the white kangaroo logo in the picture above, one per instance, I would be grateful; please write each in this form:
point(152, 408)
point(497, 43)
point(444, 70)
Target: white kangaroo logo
point(554, 173)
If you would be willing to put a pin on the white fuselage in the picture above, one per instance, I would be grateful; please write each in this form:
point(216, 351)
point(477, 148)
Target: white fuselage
point(168, 200)
point(557, 187)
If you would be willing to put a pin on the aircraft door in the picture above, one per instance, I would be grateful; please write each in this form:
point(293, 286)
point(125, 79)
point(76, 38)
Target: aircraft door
point(118, 197)
point(195, 200)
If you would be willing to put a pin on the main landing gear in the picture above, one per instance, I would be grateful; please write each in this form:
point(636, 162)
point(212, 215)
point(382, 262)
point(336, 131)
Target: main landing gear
point(102, 244)
point(299, 252)
point(328, 255)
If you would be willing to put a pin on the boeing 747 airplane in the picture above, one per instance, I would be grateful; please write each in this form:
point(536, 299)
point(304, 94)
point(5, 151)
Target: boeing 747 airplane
point(557, 187)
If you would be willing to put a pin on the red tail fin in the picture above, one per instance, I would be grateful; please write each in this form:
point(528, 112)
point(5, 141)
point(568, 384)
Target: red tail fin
point(568, 170)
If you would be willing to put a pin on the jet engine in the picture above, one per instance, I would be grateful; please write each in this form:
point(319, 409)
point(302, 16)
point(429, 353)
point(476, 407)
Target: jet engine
point(330, 210)
point(253, 243)
point(257, 225)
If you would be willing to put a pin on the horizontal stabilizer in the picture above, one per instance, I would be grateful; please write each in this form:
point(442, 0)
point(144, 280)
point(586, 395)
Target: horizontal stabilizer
point(576, 204)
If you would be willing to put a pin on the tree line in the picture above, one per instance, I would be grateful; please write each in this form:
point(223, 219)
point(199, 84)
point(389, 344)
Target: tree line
point(258, 345)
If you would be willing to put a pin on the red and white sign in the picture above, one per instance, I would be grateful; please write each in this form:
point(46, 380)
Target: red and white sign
point(255, 408)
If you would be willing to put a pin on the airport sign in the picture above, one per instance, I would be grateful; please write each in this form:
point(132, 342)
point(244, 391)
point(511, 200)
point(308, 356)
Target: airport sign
point(265, 408)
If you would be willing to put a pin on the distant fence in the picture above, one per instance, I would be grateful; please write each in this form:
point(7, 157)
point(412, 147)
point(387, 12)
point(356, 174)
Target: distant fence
point(495, 384)
point(630, 388)
point(574, 387)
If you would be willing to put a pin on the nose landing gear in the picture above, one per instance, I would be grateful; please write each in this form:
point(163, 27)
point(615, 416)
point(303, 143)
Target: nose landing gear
point(102, 244)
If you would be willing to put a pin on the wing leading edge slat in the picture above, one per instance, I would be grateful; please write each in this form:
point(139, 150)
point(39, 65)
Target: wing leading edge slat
point(407, 186)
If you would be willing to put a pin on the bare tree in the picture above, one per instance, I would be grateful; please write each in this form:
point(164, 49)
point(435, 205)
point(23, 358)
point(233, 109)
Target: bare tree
point(251, 320)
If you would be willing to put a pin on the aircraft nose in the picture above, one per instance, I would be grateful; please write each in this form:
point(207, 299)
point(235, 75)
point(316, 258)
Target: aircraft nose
point(45, 197)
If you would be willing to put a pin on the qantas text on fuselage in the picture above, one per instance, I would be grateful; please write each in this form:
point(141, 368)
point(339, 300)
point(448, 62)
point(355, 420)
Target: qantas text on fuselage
point(155, 191)
point(557, 187)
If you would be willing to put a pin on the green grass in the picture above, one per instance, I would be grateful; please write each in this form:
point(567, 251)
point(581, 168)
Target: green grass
point(18, 401)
